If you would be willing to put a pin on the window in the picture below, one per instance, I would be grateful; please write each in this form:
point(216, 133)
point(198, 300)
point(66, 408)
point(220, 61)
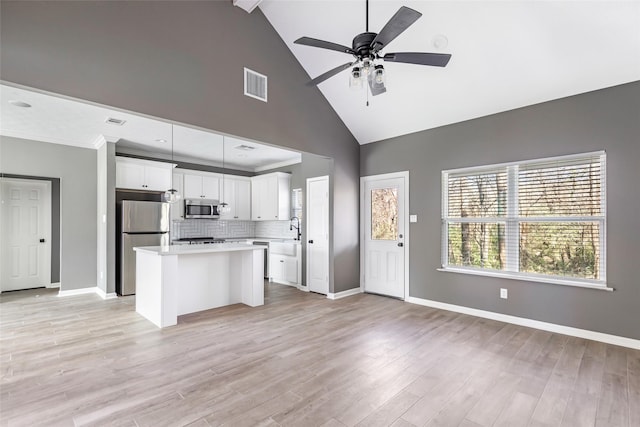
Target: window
point(541, 220)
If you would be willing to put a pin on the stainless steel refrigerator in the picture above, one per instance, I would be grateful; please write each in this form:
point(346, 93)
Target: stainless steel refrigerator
point(142, 224)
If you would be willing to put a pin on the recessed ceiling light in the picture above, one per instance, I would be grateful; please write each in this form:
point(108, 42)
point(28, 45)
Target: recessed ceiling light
point(20, 104)
point(245, 147)
point(161, 140)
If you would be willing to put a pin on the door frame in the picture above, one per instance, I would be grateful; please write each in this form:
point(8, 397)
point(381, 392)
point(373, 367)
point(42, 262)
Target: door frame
point(46, 261)
point(307, 224)
point(407, 245)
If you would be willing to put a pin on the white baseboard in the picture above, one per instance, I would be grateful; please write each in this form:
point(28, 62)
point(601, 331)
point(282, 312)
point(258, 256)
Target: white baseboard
point(522, 321)
point(303, 288)
point(82, 291)
point(344, 294)
point(53, 285)
point(102, 294)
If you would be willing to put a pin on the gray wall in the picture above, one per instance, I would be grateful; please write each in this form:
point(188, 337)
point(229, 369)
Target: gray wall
point(106, 194)
point(311, 166)
point(184, 61)
point(76, 168)
point(608, 119)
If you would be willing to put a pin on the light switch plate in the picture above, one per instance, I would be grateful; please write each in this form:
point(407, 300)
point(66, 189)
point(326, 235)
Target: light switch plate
point(413, 218)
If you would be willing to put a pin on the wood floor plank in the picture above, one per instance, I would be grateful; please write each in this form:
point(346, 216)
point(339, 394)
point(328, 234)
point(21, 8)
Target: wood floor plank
point(300, 359)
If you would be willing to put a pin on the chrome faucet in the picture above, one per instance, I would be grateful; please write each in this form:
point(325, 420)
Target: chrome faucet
point(297, 227)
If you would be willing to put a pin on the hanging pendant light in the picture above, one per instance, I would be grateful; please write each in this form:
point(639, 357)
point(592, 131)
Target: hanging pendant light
point(223, 207)
point(172, 195)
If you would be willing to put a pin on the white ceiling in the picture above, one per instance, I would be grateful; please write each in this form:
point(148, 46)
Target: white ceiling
point(506, 55)
point(70, 122)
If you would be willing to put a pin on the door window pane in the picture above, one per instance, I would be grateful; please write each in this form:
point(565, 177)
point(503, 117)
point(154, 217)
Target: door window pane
point(384, 214)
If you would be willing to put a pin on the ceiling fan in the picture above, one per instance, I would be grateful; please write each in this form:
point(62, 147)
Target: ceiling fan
point(366, 49)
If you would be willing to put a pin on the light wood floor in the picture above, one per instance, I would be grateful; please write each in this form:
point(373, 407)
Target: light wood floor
point(300, 360)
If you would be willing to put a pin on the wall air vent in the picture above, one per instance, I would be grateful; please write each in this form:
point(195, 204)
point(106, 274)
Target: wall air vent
point(114, 121)
point(245, 147)
point(255, 85)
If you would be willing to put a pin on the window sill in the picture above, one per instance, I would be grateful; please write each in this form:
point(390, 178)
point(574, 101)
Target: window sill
point(516, 276)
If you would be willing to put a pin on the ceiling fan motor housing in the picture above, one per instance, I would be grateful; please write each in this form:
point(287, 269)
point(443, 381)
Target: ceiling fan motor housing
point(362, 45)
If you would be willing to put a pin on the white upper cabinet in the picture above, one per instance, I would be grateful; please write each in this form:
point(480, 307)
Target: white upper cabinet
point(201, 185)
point(177, 209)
point(270, 198)
point(137, 174)
point(237, 193)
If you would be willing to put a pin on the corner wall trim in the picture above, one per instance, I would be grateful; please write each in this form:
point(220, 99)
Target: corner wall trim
point(344, 294)
point(522, 321)
point(102, 294)
point(83, 291)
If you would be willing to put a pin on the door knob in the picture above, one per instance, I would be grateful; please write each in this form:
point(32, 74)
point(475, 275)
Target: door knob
point(400, 244)
point(310, 241)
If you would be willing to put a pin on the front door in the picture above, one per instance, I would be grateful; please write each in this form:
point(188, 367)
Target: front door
point(25, 234)
point(383, 234)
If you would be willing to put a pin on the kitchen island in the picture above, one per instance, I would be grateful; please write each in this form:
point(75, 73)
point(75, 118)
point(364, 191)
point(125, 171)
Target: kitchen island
point(181, 279)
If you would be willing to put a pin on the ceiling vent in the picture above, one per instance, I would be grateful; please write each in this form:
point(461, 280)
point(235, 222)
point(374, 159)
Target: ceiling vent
point(255, 85)
point(245, 147)
point(114, 121)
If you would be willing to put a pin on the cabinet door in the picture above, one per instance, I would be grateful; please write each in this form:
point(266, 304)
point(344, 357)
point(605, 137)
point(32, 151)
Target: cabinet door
point(129, 175)
point(157, 178)
point(290, 270)
point(269, 200)
point(242, 200)
point(193, 186)
point(177, 209)
point(258, 190)
point(228, 196)
point(211, 187)
point(276, 267)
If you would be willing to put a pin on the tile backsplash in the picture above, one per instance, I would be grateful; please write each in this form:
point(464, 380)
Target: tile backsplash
point(230, 229)
point(274, 229)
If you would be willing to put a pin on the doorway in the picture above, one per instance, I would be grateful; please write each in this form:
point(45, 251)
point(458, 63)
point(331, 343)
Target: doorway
point(25, 227)
point(384, 257)
point(318, 234)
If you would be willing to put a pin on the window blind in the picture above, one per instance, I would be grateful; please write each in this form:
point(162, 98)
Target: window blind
point(533, 218)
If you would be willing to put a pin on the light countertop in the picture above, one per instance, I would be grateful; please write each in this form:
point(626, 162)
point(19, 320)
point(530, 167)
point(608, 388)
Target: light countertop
point(198, 248)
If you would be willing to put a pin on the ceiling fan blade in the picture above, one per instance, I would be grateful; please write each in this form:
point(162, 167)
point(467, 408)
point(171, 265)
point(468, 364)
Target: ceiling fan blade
point(399, 22)
point(376, 88)
point(420, 58)
point(330, 73)
point(308, 41)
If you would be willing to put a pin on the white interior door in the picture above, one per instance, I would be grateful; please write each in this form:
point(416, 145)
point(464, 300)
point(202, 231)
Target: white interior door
point(383, 234)
point(25, 241)
point(318, 234)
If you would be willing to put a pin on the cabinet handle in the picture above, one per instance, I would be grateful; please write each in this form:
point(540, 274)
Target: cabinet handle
point(311, 241)
point(281, 260)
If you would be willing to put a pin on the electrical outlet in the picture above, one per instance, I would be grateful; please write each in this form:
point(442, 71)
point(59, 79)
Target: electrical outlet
point(504, 293)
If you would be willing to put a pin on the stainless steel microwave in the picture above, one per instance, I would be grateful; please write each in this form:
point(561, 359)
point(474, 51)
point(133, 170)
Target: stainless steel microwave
point(201, 209)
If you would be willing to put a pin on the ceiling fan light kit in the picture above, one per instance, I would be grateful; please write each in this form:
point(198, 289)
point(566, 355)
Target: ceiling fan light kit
point(366, 48)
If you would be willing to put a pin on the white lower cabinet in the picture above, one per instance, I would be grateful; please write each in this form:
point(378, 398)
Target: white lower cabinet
point(285, 263)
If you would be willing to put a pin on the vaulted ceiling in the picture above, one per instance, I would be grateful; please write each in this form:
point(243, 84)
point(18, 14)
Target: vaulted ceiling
point(506, 55)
